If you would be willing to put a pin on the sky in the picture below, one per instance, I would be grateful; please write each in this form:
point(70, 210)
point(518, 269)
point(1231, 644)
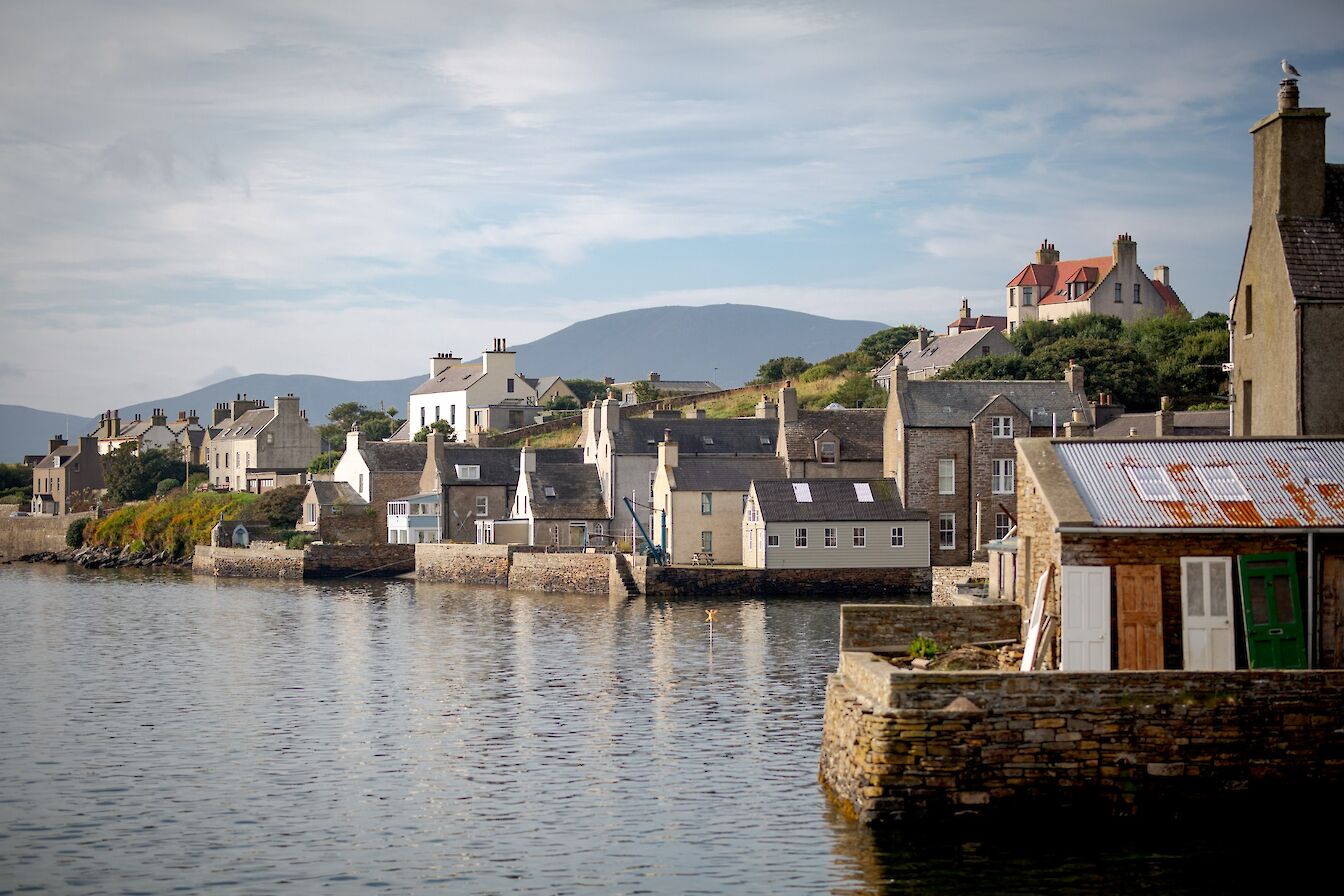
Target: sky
point(191, 191)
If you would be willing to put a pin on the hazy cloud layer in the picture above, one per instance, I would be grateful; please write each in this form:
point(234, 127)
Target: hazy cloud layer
point(342, 191)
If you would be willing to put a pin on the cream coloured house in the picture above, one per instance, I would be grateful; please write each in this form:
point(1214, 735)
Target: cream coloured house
point(474, 397)
point(1114, 285)
point(698, 501)
point(276, 438)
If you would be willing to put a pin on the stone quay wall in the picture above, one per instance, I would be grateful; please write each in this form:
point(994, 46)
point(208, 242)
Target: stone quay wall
point(464, 564)
point(905, 746)
point(682, 581)
point(889, 628)
point(339, 561)
point(247, 563)
point(577, 573)
point(33, 534)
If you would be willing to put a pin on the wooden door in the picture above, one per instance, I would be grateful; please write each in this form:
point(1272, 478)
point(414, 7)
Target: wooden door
point(1206, 608)
point(1138, 616)
point(1273, 610)
point(1332, 612)
point(1085, 618)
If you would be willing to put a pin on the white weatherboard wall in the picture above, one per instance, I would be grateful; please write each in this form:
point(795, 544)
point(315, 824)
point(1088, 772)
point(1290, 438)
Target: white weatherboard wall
point(878, 551)
point(1085, 618)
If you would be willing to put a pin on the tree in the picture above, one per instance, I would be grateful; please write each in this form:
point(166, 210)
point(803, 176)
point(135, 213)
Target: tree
point(562, 403)
point(777, 369)
point(587, 390)
point(877, 349)
point(646, 391)
point(859, 391)
point(375, 424)
point(133, 476)
point(325, 462)
point(443, 426)
point(281, 507)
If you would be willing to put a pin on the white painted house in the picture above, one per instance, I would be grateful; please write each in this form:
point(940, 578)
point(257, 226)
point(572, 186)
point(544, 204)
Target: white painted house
point(831, 524)
point(474, 397)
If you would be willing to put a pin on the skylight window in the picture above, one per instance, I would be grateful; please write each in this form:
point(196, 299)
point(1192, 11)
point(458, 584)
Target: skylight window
point(548, 491)
point(802, 492)
point(1309, 465)
point(1152, 483)
point(765, 441)
point(468, 471)
point(1222, 484)
point(708, 440)
point(864, 492)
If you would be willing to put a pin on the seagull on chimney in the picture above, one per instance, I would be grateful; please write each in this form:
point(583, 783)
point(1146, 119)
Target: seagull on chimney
point(1289, 69)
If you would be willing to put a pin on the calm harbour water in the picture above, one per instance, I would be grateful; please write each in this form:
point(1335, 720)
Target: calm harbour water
point(162, 734)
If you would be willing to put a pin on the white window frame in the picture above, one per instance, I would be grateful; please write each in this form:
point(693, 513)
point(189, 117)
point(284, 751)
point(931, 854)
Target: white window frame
point(1004, 479)
point(830, 537)
point(482, 505)
point(707, 541)
point(772, 541)
point(1002, 427)
point(834, 453)
point(947, 531)
point(947, 475)
point(706, 503)
point(800, 538)
point(898, 536)
point(859, 537)
point(1003, 524)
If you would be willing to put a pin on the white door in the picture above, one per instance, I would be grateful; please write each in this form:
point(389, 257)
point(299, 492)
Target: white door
point(1085, 618)
point(1206, 607)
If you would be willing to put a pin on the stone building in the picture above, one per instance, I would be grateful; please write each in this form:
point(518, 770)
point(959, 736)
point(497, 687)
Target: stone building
point(1288, 310)
point(698, 502)
point(838, 443)
point(665, 388)
point(1197, 554)
point(69, 478)
point(557, 504)
point(380, 472)
point(927, 355)
point(473, 398)
point(968, 321)
point(949, 447)
point(1114, 285)
point(256, 437)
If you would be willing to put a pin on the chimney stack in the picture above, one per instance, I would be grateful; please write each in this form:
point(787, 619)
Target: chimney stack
point(1289, 161)
point(655, 377)
point(767, 409)
point(667, 451)
point(528, 461)
point(1124, 253)
point(900, 375)
point(965, 309)
point(1073, 376)
point(1162, 274)
point(923, 338)
point(55, 442)
point(1047, 254)
point(1166, 419)
point(788, 403)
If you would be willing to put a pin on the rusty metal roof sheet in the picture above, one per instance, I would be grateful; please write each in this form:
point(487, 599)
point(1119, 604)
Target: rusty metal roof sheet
point(1288, 483)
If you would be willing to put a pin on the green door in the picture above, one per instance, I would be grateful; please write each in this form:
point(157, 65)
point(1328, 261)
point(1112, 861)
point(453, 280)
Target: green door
point(1273, 611)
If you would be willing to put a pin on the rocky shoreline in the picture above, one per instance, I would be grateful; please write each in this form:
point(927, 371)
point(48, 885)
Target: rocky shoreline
point(107, 558)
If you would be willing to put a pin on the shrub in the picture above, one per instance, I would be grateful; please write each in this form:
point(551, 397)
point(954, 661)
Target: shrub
point(137, 546)
point(300, 540)
point(74, 533)
point(282, 507)
point(165, 486)
point(816, 372)
point(921, 646)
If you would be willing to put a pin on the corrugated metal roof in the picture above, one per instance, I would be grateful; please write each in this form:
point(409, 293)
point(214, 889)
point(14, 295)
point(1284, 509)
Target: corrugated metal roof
point(1289, 483)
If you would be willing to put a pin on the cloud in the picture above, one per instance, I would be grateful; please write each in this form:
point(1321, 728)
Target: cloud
point(189, 168)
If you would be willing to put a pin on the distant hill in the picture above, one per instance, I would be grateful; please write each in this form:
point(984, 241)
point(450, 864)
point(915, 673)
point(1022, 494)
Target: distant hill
point(679, 342)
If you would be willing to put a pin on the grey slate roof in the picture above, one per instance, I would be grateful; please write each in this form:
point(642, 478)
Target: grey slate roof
point(1188, 423)
point(454, 379)
point(742, 435)
point(499, 466)
point(943, 351)
point(403, 433)
point(394, 457)
point(833, 500)
point(329, 493)
point(1313, 248)
point(688, 387)
point(859, 431)
point(1286, 483)
point(578, 492)
point(63, 452)
point(934, 403)
point(724, 474)
point(248, 425)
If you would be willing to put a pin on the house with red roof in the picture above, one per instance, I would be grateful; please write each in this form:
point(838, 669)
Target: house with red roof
point(1052, 289)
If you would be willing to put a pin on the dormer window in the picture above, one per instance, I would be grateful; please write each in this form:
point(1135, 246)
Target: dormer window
point(827, 452)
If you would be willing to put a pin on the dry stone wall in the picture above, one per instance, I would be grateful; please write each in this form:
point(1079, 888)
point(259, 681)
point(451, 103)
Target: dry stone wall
point(902, 746)
point(327, 561)
point(890, 627)
point(34, 534)
point(681, 581)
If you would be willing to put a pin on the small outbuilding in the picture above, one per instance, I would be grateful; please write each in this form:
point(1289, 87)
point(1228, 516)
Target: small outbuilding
point(831, 524)
point(1198, 554)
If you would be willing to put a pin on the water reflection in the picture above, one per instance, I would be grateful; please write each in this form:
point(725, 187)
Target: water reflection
point(162, 732)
